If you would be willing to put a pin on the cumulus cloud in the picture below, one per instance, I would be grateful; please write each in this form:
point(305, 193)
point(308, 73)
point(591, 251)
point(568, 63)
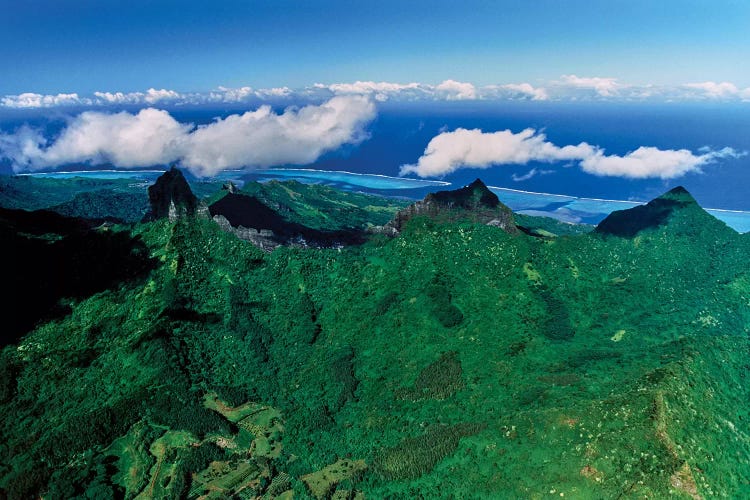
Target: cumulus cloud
point(32, 100)
point(244, 94)
point(462, 148)
point(152, 137)
point(381, 91)
point(714, 90)
point(456, 91)
point(147, 138)
point(151, 96)
point(526, 90)
point(605, 87)
point(263, 138)
point(647, 162)
point(567, 87)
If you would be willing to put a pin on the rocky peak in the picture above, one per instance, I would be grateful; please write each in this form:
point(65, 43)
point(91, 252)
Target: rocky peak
point(474, 202)
point(472, 197)
point(171, 197)
point(230, 187)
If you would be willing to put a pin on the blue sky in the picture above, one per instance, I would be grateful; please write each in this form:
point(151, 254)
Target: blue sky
point(83, 46)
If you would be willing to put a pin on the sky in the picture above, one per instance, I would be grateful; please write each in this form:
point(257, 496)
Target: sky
point(296, 81)
point(85, 46)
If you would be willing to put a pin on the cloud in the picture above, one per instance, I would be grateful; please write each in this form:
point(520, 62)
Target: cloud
point(151, 96)
point(531, 173)
point(244, 94)
point(566, 88)
point(263, 138)
point(647, 162)
point(380, 91)
point(153, 137)
point(147, 138)
point(456, 91)
point(32, 100)
point(462, 148)
point(713, 90)
point(526, 90)
point(605, 87)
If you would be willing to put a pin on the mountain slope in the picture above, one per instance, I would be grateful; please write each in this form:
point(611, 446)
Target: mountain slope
point(454, 358)
point(676, 209)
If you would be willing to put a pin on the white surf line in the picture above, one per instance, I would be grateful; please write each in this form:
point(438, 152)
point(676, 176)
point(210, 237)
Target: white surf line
point(429, 182)
point(726, 210)
point(569, 196)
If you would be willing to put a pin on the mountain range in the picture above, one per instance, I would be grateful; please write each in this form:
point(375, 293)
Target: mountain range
point(285, 340)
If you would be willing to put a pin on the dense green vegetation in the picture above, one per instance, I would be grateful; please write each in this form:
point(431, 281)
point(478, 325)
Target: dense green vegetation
point(455, 360)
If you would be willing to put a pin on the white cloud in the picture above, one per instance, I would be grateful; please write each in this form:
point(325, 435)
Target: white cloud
point(224, 94)
point(567, 87)
point(456, 91)
point(526, 90)
point(647, 162)
point(153, 96)
point(713, 90)
point(119, 97)
point(147, 138)
point(245, 94)
point(153, 137)
point(531, 173)
point(462, 148)
point(274, 92)
point(263, 138)
point(380, 91)
point(32, 100)
point(605, 87)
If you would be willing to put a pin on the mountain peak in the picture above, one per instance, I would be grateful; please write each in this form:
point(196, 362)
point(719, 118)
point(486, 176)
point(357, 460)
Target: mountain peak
point(658, 212)
point(171, 197)
point(678, 194)
point(474, 202)
point(471, 197)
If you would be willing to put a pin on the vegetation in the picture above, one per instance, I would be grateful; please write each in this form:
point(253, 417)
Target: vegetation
point(455, 360)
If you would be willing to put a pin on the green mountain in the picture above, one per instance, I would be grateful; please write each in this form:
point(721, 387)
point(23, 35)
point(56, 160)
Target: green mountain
point(455, 360)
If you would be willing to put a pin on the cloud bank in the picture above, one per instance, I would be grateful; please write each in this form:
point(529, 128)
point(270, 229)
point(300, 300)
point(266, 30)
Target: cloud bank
point(567, 87)
point(462, 148)
point(258, 138)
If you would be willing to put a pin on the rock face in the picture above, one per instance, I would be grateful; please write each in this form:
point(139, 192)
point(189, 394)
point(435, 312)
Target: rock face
point(250, 219)
point(171, 197)
point(676, 208)
point(474, 202)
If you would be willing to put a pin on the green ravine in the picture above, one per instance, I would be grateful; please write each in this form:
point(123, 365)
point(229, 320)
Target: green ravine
point(454, 360)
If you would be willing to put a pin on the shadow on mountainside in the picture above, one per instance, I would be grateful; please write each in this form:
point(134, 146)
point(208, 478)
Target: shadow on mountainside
point(46, 257)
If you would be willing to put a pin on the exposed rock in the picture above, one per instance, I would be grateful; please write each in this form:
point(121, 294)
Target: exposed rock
point(264, 239)
point(171, 197)
point(231, 187)
point(475, 203)
point(252, 220)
